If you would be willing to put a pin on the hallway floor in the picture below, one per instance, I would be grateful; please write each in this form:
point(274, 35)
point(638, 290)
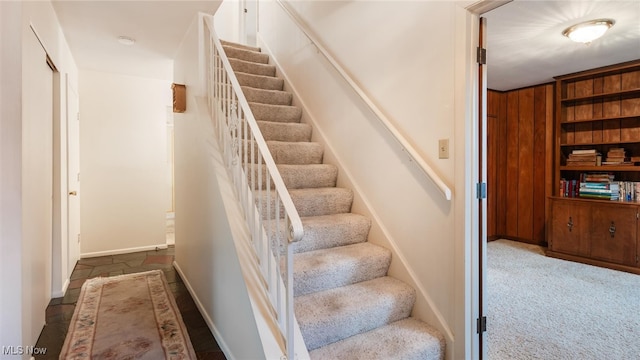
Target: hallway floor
point(60, 310)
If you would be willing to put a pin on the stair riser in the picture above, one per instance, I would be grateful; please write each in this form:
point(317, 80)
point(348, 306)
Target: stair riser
point(284, 132)
point(352, 230)
point(337, 230)
point(259, 82)
point(331, 268)
point(246, 55)
point(346, 314)
point(335, 202)
point(239, 46)
point(408, 339)
point(271, 97)
point(302, 153)
point(296, 153)
point(289, 132)
point(276, 113)
point(298, 177)
point(252, 68)
point(310, 204)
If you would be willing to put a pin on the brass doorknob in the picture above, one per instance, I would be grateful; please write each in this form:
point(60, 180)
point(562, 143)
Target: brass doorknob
point(73, 193)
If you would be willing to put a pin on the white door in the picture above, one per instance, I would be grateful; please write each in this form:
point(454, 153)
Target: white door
point(73, 176)
point(37, 185)
point(250, 20)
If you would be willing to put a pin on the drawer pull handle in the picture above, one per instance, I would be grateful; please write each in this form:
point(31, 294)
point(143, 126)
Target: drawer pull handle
point(612, 229)
point(570, 223)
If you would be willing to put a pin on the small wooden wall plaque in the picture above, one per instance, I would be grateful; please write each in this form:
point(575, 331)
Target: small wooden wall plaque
point(179, 98)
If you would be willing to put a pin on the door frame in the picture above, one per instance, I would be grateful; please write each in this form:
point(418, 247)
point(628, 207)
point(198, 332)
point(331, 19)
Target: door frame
point(478, 169)
point(72, 187)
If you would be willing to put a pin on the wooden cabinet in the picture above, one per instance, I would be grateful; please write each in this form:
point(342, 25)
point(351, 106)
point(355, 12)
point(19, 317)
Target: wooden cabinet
point(598, 110)
point(614, 233)
point(594, 233)
point(570, 228)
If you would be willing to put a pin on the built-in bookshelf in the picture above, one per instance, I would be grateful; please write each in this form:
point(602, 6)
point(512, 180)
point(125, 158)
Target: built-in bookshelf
point(598, 113)
point(597, 151)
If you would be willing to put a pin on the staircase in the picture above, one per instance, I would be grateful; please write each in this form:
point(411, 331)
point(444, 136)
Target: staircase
point(346, 305)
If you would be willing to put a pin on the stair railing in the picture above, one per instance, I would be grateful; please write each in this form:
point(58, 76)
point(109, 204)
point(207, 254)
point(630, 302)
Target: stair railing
point(272, 218)
point(406, 146)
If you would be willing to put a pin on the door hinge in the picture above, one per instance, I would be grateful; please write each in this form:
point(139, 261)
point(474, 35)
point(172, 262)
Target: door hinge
point(637, 215)
point(481, 190)
point(482, 324)
point(481, 56)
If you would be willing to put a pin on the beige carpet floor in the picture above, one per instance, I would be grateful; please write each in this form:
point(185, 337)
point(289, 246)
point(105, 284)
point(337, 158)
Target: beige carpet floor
point(546, 308)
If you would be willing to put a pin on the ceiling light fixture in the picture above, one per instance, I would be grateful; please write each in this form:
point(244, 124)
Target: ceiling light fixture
point(586, 32)
point(125, 40)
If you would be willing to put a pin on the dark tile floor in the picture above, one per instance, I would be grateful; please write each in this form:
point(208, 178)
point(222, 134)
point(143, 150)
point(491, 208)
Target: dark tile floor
point(60, 310)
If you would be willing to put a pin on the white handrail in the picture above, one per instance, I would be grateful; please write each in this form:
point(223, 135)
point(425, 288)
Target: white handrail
point(406, 146)
point(267, 204)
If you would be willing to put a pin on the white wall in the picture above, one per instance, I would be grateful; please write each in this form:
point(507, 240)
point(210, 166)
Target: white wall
point(122, 162)
point(19, 256)
point(205, 232)
point(11, 309)
point(411, 68)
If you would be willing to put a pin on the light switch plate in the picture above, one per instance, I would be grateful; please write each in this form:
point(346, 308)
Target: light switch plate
point(443, 148)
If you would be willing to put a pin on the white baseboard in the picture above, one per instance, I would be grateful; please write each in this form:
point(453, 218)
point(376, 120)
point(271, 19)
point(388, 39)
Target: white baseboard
point(216, 334)
point(57, 294)
point(123, 251)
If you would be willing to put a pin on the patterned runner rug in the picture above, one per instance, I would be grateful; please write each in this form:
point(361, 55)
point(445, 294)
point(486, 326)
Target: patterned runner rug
point(127, 317)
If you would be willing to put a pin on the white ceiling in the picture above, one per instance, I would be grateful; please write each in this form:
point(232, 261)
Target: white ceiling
point(525, 44)
point(92, 28)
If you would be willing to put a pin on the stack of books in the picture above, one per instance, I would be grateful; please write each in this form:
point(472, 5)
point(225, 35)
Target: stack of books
point(616, 156)
point(585, 157)
point(629, 191)
point(599, 186)
point(569, 188)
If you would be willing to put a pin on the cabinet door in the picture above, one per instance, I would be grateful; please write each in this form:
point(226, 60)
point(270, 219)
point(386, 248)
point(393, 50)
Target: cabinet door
point(613, 233)
point(570, 227)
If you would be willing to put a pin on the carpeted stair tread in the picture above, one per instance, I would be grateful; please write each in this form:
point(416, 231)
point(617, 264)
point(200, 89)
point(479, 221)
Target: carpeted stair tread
point(325, 269)
point(301, 176)
point(322, 201)
point(277, 113)
point(326, 231)
point(252, 68)
point(272, 97)
point(310, 202)
point(287, 132)
point(333, 315)
point(240, 46)
point(408, 339)
point(259, 81)
point(323, 232)
point(309, 175)
point(234, 52)
point(345, 305)
point(296, 153)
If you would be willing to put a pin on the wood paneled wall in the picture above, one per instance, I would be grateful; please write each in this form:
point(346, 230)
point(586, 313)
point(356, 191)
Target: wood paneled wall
point(519, 162)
